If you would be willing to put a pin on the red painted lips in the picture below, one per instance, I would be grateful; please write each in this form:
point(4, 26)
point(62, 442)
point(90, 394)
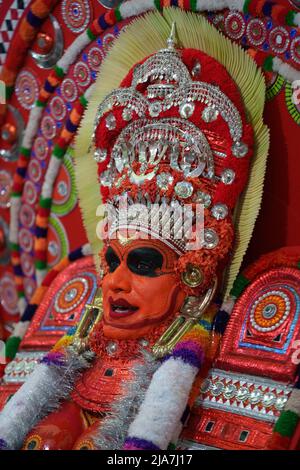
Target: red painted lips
point(120, 308)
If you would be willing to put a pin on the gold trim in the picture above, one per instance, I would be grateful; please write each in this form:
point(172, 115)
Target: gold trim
point(181, 325)
point(92, 315)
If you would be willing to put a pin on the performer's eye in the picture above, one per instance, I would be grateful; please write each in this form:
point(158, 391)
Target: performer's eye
point(112, 259)
point(145, 261)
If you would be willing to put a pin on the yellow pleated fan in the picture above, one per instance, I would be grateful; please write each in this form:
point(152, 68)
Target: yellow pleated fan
point(142, 37)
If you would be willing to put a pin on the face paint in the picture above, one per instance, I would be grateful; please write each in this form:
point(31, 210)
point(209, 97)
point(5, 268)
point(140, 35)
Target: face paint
point(140, 289)
point(145, 261)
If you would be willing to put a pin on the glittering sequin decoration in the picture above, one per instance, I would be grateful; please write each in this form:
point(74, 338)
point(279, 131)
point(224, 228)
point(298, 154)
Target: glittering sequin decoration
point(279, 40)
point(107, 41)
point(27, 216)
point(269, 311)
point(34, 171)
point(25, 240)
point(40, 148)
point(26, 89)
point(30, 193)
point(29, 287)
point(27, 264)
point(95, 57)
point(263, 34)
point(22, 366)
point(235, 25)
point(292, 98)
point(68, 90)
point(64, 195)
point(5, 188)
point(48, 127)
point(76, 14)
point(58, 245)
point(257, 32)
point(295, 50)
point(240, 393)
point(82, 74)
point(58, 108)
point(71, 295)
point(8, 294)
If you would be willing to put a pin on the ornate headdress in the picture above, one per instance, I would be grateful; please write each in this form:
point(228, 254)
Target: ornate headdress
point(182, 128)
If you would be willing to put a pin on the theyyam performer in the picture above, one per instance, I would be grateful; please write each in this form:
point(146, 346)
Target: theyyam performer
point(174, 145)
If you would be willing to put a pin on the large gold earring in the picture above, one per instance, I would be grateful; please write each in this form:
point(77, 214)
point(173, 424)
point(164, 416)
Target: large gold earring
point(92, 315)
point(190, 314)
point(192, 276)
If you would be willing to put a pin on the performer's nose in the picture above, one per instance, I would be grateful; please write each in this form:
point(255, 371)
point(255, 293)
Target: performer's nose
point(120, 279)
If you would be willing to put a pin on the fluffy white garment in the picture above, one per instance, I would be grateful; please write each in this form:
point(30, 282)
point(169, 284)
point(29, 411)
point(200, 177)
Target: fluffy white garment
point(132, 8)
point(228, 305)
point(215, 5)
point(297, 19)
point(21, 412)
point(285, 70)
point(164, 404)
point(40, 275)
point(87, 249)
point(50, 177)
point(22, 304)
point(73, 51)
point(293, 403)
point(15, 206)
point(32, 126)
point(212, 5)
point(39, 395)
point(20, 329)
point(176, 434)
point(88, 93)
point(236, 5)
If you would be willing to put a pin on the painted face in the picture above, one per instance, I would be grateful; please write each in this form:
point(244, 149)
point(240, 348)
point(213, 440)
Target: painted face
point(140, 289)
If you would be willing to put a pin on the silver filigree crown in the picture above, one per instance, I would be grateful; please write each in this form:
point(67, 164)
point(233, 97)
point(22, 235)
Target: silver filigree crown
point(177, 140)
point(145, 144)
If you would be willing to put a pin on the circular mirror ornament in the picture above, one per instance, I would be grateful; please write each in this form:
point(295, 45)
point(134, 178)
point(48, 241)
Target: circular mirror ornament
point(193, 276)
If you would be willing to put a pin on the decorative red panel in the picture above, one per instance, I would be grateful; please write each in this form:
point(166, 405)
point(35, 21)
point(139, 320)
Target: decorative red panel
point(62, 305)
point(264, 326)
